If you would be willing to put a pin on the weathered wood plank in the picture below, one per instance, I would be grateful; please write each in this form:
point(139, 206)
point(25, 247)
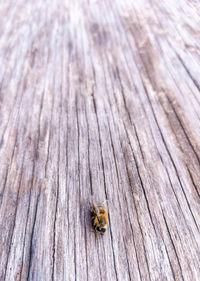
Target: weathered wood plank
point(99, 100)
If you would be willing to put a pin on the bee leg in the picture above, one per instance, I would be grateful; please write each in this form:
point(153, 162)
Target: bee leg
point(93, 221)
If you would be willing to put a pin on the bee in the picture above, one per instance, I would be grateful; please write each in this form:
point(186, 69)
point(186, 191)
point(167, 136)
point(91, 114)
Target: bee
point(99, 218)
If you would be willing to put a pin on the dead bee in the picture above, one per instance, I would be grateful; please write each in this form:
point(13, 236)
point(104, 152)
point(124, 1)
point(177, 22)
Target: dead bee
point(99, 218)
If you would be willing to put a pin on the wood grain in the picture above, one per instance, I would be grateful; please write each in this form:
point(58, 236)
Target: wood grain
point(100, 100)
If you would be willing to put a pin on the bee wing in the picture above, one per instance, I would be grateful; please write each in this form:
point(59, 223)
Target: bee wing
point(94, 209)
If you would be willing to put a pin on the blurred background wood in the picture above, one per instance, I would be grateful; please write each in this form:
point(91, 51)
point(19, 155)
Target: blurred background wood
point(99, 101)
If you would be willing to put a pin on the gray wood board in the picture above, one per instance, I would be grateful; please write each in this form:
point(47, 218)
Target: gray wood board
point(99, 100)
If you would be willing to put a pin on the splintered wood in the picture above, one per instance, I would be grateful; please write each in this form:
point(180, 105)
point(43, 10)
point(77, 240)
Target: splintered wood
point(100, 102)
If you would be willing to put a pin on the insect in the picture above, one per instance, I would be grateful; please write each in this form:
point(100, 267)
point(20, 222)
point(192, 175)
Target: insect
point(99, 218)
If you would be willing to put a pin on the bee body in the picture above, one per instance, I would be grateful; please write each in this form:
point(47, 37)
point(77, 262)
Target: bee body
point(99, 218)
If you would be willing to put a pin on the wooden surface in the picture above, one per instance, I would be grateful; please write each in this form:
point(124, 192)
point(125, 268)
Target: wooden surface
point(100, 101)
